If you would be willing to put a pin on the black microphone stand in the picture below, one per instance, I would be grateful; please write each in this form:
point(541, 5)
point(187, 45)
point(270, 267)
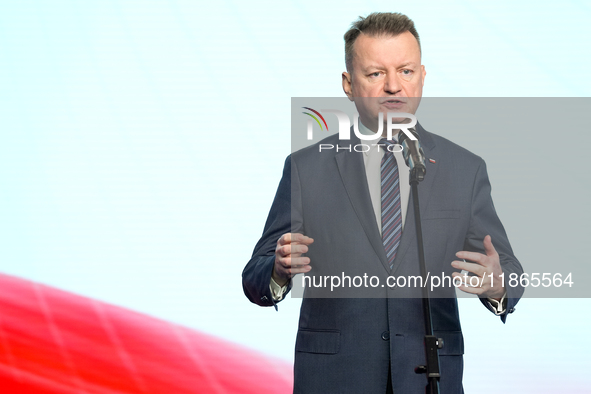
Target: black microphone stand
point(432, 343)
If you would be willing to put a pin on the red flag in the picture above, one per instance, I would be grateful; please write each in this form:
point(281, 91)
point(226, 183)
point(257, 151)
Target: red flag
point(52, 341)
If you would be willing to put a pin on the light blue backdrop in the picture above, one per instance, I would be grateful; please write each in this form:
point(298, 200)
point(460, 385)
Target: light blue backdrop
point(142, 143)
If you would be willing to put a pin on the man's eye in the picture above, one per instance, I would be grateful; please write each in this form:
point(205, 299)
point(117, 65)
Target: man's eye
point(376, 74)
point(407, 72)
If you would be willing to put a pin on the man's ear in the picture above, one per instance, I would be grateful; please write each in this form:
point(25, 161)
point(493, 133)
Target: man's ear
point(423, 73)
point(347, 85)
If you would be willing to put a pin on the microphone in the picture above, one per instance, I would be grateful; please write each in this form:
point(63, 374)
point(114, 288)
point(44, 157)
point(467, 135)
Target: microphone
point(413, 155)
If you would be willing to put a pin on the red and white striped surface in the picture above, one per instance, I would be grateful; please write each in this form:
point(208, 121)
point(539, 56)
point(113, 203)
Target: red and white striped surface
point(52, 341)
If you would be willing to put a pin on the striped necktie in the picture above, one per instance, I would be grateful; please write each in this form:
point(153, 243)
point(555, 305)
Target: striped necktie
point(391, 212)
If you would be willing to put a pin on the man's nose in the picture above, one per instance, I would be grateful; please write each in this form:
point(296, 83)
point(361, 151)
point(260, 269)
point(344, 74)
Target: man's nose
point(392, 83)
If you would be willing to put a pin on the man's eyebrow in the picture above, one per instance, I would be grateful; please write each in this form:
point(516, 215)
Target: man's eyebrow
point(407, 64)
point(379, 67)
point(373, 67)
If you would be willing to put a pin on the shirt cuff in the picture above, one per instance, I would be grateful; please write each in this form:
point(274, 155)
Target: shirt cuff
point(277, 291)
point(497, 307)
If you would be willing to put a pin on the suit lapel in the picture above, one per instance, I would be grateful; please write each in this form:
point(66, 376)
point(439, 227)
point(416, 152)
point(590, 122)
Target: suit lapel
point(352, 172)
point(354, 178)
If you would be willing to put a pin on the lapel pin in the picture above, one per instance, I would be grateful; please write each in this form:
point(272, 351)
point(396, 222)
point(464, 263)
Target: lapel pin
point(432, 161)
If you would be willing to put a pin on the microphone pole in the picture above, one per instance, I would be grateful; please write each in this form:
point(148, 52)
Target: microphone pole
point(415, 158)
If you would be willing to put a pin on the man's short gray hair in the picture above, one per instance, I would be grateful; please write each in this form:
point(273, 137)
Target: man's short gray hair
point(374, 25)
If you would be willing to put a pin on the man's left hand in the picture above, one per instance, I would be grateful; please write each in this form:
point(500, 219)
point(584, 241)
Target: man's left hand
point(483, 265)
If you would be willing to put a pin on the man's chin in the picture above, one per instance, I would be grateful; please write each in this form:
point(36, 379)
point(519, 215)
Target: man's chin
point(401, 107)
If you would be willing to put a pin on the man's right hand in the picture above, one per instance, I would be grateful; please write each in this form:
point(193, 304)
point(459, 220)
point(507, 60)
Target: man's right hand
point(288, 257)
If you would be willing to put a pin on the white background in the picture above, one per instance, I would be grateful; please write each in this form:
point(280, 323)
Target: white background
point(142, 143)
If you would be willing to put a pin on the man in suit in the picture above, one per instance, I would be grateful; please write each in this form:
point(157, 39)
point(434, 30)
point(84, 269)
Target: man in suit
point(369, 339)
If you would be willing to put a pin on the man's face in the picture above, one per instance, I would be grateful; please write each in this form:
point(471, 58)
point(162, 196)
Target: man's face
point(388, 71)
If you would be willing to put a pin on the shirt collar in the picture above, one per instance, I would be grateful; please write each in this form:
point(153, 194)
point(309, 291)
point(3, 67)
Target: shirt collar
point(372, 144)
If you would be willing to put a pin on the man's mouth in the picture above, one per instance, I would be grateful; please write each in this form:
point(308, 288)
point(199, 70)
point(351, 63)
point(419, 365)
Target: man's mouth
point(393, 104)
point(393, 101)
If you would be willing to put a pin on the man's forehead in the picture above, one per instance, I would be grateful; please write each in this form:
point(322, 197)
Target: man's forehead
point(402, 49)
point(402, 37)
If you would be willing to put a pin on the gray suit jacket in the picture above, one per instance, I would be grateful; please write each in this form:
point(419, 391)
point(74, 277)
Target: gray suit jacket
point(347, 338)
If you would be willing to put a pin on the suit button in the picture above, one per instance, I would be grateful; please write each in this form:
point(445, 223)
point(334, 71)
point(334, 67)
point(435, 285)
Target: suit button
point(386, 335)
point(511, 310)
